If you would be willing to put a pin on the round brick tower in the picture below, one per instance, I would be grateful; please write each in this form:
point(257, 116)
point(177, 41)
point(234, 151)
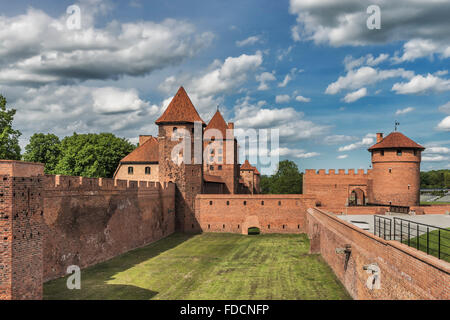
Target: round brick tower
point(396, 170)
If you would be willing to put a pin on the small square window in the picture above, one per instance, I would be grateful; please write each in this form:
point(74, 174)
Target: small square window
point(399, 152)
point(210, 203)
point(245, 203)
point(130, 170)
point(220, 151)
point(148, 170)
point(228, 203)
point(219, 167)
point(211, 168)
point(262, 203)
point(382, 153)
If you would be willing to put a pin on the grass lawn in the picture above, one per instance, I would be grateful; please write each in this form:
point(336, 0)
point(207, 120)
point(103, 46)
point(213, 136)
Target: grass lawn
point(209, 266)
point(433, 243)
point(424, 203)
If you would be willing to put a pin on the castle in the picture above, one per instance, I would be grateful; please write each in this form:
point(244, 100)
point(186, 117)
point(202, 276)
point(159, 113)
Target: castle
point(48, 222)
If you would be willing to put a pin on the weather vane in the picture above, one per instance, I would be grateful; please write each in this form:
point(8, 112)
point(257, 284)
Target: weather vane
point(396, 124)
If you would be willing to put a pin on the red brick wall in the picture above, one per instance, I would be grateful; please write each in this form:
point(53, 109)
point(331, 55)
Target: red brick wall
point(406, 273)
point(88, 221)
point(21, 238)
point(21, 168)
point(399, 185)
point(333, 189)
point(245, 211)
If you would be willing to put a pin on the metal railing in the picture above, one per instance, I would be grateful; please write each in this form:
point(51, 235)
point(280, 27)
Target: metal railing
point(430, 239)
point(382, 227)
point(433, 240)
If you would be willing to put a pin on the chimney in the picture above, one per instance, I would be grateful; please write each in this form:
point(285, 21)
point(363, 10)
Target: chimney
point(379, 137)
point(143, 139)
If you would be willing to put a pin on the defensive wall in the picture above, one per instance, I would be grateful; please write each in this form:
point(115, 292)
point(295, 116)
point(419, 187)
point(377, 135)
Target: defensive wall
point(48, 223)
point(332, 188)
point(236, 213)
point(405, 273)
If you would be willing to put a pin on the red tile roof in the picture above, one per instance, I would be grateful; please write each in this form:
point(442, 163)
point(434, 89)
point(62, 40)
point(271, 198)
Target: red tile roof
point(396, 140)
point(248, 166)
point(147, 152)
point(217, 122)
point(180, 110)
point(211, 178)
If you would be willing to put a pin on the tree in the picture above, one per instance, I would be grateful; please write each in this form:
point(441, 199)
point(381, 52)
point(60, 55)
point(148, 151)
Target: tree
point(44, 148)
point(287, 180)
point(9, 138)
point(92, 155)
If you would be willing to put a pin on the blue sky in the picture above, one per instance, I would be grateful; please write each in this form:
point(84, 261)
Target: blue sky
point(310, 68)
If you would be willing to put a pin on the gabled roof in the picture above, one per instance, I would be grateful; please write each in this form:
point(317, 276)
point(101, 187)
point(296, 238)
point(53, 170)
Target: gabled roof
point(180, 110)
point(218, 122)
point(147, 152)
point(396, 140)
point(211, 178)
point(248, 166)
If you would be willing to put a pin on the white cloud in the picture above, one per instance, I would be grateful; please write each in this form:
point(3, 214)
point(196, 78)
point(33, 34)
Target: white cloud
point(444, 125)
point(285, 82)
point(283, 53)
point(445, 108)
point(369, 60)
point(116, 100)
point(343, 156)
point(437, 158)
point(355, 95)
point(441, 150)
point(338, 138)
point(36, 49)
point(291, 124)
point(368, 140)
point(302, 99)
point(283, 98)
point(355, 79)
point(296, 153)
point(404, 111)
point(249, 41)
point(423, 24)
point(420, 84)
point(263, 78)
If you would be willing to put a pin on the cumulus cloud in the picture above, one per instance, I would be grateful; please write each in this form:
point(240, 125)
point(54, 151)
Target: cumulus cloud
point(338, 138)
point(282, 98)
point(355, 95)
point(37, 49)
point(263, 78)
point(444, 125)
point(249, 41)
point(422, 84)
point(366, 141)
point(302, 99)
point(64, 109)
point(445, 108)
point(435, 158)
point(343, 156)
point(404, 111)
point(291, 124)
point(296, 153)
point(358, 78)
point(422, 24)
point(369, 60)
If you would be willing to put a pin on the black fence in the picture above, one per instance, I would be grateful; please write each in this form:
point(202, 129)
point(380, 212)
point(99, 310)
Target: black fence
point(392, 207)
point(433, 240)
point(382, 227)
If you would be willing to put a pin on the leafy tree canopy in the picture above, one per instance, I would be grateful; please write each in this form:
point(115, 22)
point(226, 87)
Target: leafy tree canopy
point(287, 180)
point(92, 155)
point(44, 148)
point(9, 138)
point(435, 179)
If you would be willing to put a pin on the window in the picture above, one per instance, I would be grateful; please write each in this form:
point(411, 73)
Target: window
point(228, 203)
point(175, 129)
point(268, 226)
point(399, 153)
point(279, 203)
point(390, 170)
point(219, 167)
point(415, 152)
point(209, 226)
point(210, 203)
point(220, 151)
point(148, 170)
point(192, 130)
point(224, 226)
point(130, 170)
point(245, 203)
point(382, 153)
point(220, 159)
point(211, 168)
point(409, 187)
point(262, 203)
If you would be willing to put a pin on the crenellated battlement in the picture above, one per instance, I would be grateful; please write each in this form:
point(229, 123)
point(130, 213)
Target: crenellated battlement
point(341, 172)
point(71, 183)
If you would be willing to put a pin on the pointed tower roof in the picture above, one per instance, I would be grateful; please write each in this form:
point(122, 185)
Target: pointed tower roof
point(180, 110)
point(147, 152)
point(396, 140)
point(246, 165)
point(218, 122)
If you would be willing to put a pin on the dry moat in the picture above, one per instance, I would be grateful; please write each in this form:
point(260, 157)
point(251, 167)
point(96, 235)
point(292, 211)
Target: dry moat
point(209, 266)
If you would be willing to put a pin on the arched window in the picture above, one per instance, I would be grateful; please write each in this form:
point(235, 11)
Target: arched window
point(130, 170)
point(175, 129)
point(148, 170)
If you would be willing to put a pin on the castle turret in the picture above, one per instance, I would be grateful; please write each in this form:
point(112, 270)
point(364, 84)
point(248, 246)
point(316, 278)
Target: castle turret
point(396, 170)
point(182, 166)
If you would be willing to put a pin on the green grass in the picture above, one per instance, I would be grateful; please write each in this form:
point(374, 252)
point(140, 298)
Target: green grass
point(209, 266)
point(433, 239)
point(424, 203)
